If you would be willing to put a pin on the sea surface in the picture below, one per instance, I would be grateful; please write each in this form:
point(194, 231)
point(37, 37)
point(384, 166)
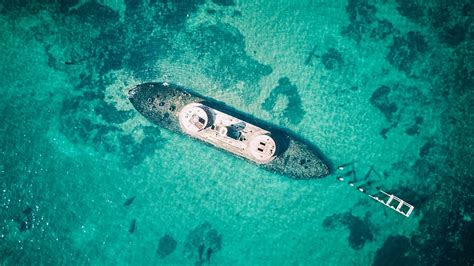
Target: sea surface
point(86, 180)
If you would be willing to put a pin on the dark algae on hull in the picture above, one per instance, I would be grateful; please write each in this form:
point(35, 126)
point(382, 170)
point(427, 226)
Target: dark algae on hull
point(180, 110)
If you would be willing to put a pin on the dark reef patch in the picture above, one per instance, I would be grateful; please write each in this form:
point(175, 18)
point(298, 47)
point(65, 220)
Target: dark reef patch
point(27, 219)
point(168, 13)
point(405, 50)
point(451, 22)
point(222, 47)
point(153, 28)
point(381, 100)
point(360, 230)
point(448, 231)
point(294, 110)
point(439, 16)
point(236, 13)
point(24, 7)
point(410, 9)
point(133, 151)
point(417, 195)
point(414, 129)
point(467, 10)
point(129, 201)
point(453, 36)
point(446, 224)
point(95, 13)
point(132, 5)
point(211, 11)
point(360, 11)
point(332, 59)
point(463, 77)
point(384, 131)
point(224, 2)
point(80, 124)
point(424, 168)
point(395, 251)
point(178, 12)
point(398, 104)
point(110, 114)
point(143, 63)
point(364, 22)
point(166, 245)
point(467, 240)
point(202, 242)
point(382, 29)
point(330, 222)
point(425, 149)
point(149, 45)
point(65, 5)
point(133, 226)
point(107, 49)
point(361, 15)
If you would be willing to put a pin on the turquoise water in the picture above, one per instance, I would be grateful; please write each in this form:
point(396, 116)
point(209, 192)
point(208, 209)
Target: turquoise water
point(87, 180)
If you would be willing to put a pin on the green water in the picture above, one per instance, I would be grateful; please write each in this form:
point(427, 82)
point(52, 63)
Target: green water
point(87, 180)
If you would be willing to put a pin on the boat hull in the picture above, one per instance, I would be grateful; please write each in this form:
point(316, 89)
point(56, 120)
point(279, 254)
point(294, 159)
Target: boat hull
point(161, 103)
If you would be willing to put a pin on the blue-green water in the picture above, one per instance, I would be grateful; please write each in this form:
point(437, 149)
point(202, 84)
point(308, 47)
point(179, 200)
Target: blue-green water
point(87, 180)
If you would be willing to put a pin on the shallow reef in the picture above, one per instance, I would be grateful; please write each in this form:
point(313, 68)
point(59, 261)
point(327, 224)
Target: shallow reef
point(87, 180)
point(202, 242)
point(166, 246)
point(360, 230)
point(293, 111)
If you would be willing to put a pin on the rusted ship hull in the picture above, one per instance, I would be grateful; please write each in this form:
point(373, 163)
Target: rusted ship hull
point(161, 103)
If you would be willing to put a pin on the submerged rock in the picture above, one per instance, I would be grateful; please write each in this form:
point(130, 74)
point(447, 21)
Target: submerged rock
point(360, 230)
point(395, 251)
point(27, 222)
point(133, 226)
point(332, 59)
point(202, 242)
point(224, 2)
point(414, 129)
point(410, 9)
point(221, 50)
point(361, 15)
point(381, 100)
point(294, 111)
point(455, 35)
point(406, 50)
point(425, 149)
point(166, 246)
point(129, 201)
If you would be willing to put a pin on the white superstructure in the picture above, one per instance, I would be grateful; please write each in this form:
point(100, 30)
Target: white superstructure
point(227, 132)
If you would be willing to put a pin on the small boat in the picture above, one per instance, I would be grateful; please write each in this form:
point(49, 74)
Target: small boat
point(180, 110)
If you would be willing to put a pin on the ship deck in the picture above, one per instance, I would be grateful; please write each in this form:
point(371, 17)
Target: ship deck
point(232, 134)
